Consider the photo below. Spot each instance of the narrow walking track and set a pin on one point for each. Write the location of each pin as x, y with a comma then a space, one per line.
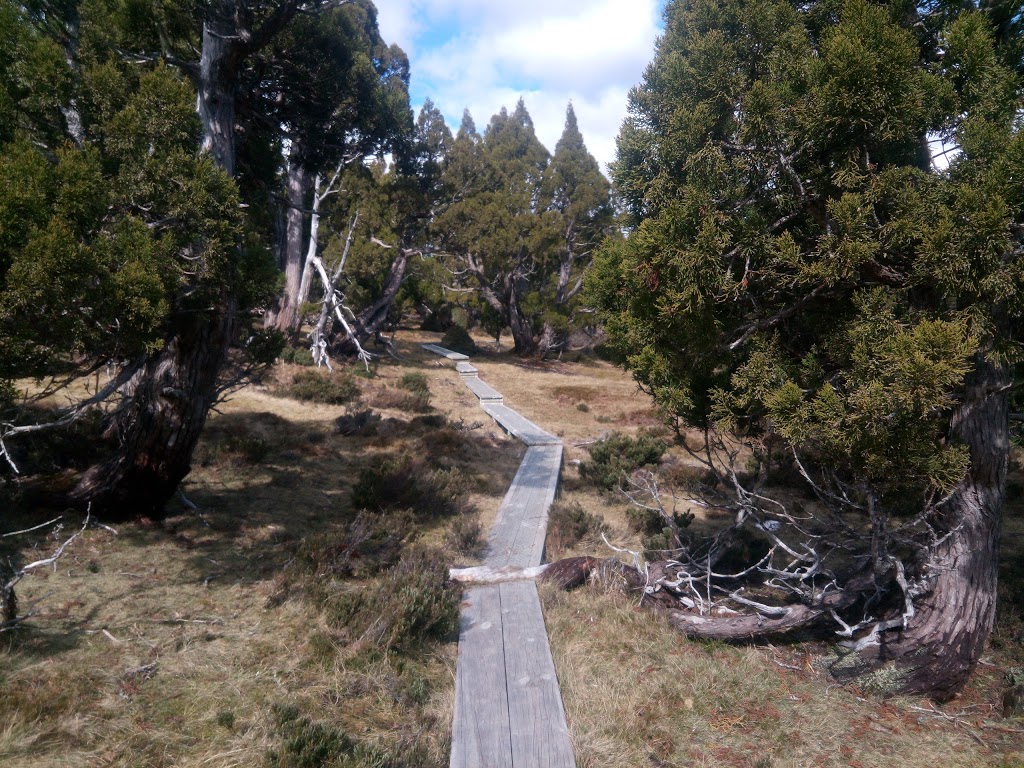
508, 709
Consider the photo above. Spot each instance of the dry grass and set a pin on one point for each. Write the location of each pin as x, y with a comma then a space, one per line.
182, 643
637, 693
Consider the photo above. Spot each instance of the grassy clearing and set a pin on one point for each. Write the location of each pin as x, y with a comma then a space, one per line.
266, 629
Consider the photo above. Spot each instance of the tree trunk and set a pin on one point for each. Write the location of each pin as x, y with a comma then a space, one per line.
944, 639
161, 426
217, 89
306, 282
371, 320
285, 315
521, 327
551, 341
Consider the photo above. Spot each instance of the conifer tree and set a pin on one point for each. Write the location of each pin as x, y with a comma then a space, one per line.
803, 278
576, 190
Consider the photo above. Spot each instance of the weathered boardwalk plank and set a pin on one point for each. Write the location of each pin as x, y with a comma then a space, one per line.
485, 393
517, 538
444, 352
518, 426
508, 709
481, 736
540, 736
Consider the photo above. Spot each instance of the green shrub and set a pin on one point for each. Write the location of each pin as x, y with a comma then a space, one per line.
320, 387
616, 456
414, 382
407, 483
465, 535
416, 600
457, 339
369, 544
296, 356
659, 534
569, 524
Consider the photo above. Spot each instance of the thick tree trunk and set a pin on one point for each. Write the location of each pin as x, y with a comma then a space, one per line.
161, 426
944, 639
521, 327
285, 315
217, 90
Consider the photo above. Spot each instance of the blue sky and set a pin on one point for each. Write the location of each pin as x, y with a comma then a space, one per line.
485, 54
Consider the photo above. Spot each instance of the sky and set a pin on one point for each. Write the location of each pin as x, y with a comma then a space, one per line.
485, 54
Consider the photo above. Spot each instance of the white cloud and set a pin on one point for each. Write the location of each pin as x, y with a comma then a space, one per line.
484, 56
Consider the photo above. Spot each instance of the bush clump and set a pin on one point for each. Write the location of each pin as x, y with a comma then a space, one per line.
369, 544
457, 339
319, 387
660, 533
569, 524
416, 600
465, 535
404, 482
617, 456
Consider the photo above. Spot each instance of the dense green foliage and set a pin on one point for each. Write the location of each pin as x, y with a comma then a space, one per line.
796, 262
101, 242
614, 457
522, 223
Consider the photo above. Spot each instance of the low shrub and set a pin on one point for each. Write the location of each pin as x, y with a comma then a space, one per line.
617, 456
414, 382
296, 356
659, 533
364, 423
371, 543
569, 524
457, 339
319, 387
407, 483
410, 395
416, 600
465, 535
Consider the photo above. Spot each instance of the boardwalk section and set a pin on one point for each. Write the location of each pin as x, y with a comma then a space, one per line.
485, 393
519, 427
444, 352
508, 709
517, 537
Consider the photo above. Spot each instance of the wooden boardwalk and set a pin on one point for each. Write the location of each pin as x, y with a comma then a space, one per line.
518, 427
517, 538
508, 709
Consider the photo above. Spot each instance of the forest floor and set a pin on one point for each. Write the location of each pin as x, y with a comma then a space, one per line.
275, 625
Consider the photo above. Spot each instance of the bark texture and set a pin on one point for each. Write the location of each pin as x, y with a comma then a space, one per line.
946, 636
285, 316
162, 424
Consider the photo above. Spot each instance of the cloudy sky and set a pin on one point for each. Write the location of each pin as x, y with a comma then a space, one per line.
485, 54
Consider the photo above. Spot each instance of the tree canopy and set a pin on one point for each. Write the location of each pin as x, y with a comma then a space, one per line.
805, 275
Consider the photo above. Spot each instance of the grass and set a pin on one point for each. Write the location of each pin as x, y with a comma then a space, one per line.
245, 634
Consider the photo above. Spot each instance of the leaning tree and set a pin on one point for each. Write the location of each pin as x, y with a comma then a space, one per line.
822, 281
127, 250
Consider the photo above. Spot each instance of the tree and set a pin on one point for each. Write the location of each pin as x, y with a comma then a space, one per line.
132, 255
803, 285
339, 94
575, 189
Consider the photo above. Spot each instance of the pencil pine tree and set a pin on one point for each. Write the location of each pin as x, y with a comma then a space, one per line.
804, 268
